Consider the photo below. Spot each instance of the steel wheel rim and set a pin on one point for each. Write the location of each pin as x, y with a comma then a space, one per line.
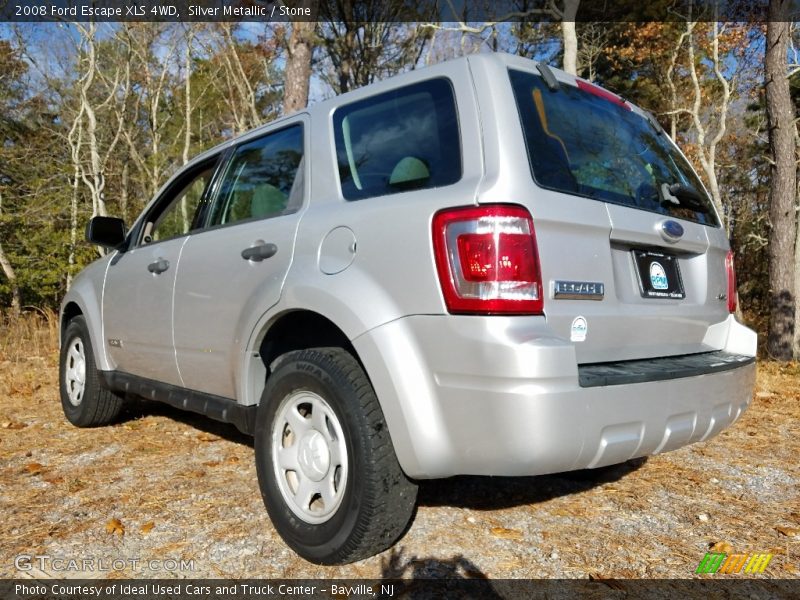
309, 456
75, 371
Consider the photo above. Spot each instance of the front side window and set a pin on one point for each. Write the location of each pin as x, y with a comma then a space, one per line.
402, 140
177, 217
586, 144
263, 178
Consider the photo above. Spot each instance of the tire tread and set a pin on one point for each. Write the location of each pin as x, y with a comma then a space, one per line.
389, 497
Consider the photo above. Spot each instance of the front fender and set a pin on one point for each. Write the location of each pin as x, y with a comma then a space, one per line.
86, 293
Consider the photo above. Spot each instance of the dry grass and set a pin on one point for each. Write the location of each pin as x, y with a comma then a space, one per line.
162, 484
33, 335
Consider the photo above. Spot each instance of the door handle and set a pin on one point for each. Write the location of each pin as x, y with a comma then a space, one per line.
260, 252
159, 266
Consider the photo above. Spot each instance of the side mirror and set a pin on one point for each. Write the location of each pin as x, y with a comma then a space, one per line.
108, 232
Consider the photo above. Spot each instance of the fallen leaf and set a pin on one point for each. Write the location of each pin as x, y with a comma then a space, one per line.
76, 485
721, 547
115, 526
54, 480
207, 437
147, 527
787, 531
506, 534
34, 468
13, 425
211, 463
232, 459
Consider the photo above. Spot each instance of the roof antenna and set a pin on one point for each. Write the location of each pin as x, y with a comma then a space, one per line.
548, 76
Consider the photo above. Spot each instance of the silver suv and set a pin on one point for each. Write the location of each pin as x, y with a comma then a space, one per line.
485, 267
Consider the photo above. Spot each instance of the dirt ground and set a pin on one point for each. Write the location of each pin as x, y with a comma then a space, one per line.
163, 487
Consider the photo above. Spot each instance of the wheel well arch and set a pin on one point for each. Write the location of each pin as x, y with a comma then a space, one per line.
71, 310
300, 330
287, 332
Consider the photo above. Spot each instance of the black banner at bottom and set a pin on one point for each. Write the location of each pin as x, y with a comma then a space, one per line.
313, 589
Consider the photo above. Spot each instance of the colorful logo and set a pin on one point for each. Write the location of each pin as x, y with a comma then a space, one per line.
720, 562
658, 276
577, 332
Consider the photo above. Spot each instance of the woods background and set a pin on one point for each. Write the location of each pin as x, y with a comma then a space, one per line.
94, 118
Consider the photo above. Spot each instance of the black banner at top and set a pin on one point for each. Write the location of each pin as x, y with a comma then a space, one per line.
468, 11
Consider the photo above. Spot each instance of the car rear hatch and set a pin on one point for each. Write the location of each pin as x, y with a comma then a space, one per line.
633, 259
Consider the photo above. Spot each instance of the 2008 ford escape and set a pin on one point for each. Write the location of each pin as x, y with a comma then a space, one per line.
484, 267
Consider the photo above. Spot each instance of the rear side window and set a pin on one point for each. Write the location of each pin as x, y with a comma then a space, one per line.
586, 144
263, 178
402, 140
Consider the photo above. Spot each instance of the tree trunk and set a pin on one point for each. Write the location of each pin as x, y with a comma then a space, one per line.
187, 118
73, 223
97, 183
123, 193
8, 270
708, 136
570, 36
298, 67
796, 343
780, 119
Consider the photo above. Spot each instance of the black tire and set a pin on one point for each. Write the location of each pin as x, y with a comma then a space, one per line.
377, 501
95, 405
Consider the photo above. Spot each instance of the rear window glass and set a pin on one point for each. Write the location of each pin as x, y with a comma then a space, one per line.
402, 140
584, 144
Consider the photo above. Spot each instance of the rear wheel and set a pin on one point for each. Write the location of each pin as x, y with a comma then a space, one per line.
326, 466
85, 401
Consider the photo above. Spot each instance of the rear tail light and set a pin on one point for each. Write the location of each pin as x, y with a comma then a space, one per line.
733, 296
487, 260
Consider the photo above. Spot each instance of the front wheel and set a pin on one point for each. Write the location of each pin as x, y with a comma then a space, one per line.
326, 466
85, 401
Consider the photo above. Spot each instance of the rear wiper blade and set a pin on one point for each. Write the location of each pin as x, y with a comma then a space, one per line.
548, 76
683, 195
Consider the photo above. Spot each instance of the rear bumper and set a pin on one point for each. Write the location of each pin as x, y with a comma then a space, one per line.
501, 396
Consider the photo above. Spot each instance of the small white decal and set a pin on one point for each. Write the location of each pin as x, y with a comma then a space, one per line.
658, 276
578, 329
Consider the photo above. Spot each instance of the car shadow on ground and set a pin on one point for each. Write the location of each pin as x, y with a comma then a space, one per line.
138, 408
478, 493
492, 493
429, 577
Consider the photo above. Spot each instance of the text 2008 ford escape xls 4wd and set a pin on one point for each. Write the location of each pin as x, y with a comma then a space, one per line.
483, 267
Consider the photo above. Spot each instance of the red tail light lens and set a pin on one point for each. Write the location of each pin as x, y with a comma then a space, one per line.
733, 295
487, 260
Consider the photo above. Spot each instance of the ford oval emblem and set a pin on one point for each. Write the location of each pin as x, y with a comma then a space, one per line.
672, 230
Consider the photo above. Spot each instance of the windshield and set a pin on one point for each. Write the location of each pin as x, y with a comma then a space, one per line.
590, 145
